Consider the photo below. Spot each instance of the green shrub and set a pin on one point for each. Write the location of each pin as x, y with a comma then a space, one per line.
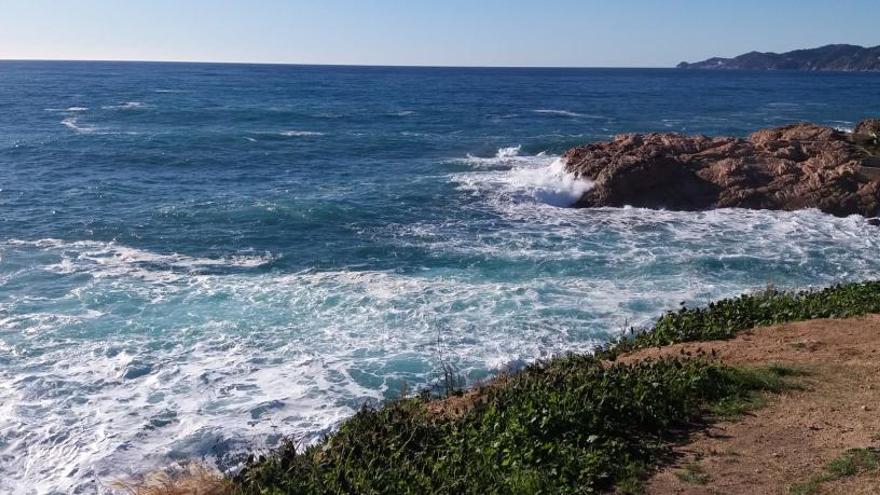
570, 425
724, 319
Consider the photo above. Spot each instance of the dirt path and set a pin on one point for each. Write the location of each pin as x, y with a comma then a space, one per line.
797, 433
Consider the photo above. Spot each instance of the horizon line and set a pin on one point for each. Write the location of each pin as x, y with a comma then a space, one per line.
307, 64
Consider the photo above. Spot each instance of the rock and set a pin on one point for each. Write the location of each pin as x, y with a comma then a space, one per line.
786, 168
870, 127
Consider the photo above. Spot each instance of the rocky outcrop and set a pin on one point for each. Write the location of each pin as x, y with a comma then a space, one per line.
867, 136
868, 128
786, 168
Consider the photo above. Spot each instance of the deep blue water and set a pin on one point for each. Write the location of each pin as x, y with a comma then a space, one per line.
195, 259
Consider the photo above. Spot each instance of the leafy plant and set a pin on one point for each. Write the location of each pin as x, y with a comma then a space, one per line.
569, 425
724, 319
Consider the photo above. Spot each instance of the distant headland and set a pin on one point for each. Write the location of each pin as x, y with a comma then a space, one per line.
825, 58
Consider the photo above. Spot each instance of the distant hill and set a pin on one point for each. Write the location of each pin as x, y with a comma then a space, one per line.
830, 57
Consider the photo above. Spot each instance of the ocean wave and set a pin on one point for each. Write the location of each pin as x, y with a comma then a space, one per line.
145, 357
566, 113
73, 124
842, 125
112, 260
240, 359
129, 105
295, 133
504, 157
538, 178
68, 109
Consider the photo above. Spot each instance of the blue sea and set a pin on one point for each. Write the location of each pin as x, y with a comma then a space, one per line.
197, 259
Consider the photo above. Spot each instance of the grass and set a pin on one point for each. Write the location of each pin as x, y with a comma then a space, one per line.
694, 474
851, 463
571, 424
774, 378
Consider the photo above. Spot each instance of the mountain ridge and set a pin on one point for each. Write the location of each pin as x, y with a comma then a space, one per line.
836, 57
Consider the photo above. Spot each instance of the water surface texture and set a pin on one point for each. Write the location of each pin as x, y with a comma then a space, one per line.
197, 259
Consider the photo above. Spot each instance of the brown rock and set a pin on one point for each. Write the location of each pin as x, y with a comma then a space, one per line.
870, 127
786, 168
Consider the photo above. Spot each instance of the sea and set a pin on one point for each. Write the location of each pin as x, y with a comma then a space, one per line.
198, 260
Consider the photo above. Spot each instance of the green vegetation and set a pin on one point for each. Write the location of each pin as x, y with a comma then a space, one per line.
773, 378
569, 425
572, 424
693, 473
851, 463
724, 319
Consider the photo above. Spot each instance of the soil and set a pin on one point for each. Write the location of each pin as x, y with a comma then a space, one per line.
795, 434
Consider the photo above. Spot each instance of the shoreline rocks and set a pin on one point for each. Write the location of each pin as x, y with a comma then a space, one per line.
786, 168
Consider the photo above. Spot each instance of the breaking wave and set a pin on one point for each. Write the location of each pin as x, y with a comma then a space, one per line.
538, 178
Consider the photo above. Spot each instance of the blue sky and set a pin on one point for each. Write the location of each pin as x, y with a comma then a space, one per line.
606, 33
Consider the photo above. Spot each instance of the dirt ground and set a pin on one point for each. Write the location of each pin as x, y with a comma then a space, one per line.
796, 433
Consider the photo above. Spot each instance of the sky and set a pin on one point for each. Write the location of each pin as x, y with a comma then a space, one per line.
548, 33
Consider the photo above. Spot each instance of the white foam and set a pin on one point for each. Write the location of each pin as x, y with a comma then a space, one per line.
504, 157
128, 105
73, 124
538, 178
68, 109
566, 113
111, 260
129, 370
551, 185
508, 152
295, 133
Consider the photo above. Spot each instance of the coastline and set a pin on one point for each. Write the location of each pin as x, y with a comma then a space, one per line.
607, 420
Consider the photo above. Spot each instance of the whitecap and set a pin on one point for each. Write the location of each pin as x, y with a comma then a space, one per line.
128, 105
566, 113
73, 124
295, 133
504, 157
68, 109
111, 260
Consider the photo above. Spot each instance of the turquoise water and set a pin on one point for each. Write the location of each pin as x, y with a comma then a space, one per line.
197, 259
